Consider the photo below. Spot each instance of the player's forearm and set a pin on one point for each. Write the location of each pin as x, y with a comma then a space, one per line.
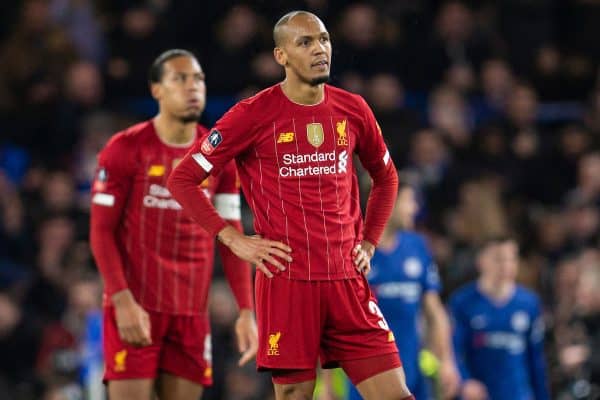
438, 327
381, 202
440, 339
238, 274
184, 185
122, 298
106, 253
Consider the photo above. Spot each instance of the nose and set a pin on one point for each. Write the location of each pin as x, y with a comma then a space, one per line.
195, 85
320, 47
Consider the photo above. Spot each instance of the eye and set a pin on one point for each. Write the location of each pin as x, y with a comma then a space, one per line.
304, 42
324, 39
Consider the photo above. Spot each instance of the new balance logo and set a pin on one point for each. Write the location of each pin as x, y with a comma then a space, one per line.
285, 137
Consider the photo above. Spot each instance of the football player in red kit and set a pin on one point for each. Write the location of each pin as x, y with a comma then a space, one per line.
293, 144
155, 261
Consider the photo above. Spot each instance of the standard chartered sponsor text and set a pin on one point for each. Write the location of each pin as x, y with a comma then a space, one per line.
159, 197
293, 164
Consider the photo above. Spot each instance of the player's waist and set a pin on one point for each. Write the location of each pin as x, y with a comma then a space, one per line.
183, 255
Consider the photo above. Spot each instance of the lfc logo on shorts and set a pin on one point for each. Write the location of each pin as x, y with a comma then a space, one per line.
120, 360
274, 344
314, 133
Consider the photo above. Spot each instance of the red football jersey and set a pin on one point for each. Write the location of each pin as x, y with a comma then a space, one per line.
297, 174
167, 259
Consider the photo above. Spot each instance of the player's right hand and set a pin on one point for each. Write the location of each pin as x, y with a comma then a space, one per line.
256, 250
133, 321
474, 390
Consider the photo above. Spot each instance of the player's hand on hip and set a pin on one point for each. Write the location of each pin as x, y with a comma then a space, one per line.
362, 254
474, 390
133, 321
256, 250
247, 336
449, 379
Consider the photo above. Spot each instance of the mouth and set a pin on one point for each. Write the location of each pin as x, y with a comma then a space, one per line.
193, 103
321, 64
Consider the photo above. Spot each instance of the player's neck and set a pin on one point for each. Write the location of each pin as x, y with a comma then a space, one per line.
498, 291
303, 93
174, 132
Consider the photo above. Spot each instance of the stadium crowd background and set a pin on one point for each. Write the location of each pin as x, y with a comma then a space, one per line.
490, 108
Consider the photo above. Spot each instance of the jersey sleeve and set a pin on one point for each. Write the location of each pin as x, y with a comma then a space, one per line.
227, 203
110, 192
460, 332
535, 354
229, 138
375, 157
431, 278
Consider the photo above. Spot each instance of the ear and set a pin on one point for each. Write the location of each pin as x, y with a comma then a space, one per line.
156, 90
280, 56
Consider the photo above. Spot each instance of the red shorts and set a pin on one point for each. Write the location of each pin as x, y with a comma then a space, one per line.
180, 346
302, 321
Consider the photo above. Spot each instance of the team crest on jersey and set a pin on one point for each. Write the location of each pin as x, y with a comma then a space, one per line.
520, 321
314, 133
413, 267
211, 142
342, 133
273, 349
478, 322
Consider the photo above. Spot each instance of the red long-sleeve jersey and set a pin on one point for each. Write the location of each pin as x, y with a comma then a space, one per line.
297, 174
143, 240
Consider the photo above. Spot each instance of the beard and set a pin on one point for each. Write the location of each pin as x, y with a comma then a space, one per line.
190, 117
319, 80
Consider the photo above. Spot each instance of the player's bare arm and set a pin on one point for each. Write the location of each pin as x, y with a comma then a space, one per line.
133, 321
440, 342
256, 250
247, 336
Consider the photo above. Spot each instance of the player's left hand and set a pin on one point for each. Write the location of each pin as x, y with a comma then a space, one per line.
362, 254
449, 379
247, 336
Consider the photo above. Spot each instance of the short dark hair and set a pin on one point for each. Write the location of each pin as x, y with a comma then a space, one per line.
494, 240
156, 69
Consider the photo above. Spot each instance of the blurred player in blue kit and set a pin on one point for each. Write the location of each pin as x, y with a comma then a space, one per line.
405, 280
498, 330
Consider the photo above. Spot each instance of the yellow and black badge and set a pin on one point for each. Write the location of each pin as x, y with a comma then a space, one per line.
314, 133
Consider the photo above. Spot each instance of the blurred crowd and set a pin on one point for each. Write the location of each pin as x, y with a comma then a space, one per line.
490, 108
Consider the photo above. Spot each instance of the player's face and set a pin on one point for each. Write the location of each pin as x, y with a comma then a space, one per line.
507, 261
182, 91
306, 51
406, 209
500, 261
